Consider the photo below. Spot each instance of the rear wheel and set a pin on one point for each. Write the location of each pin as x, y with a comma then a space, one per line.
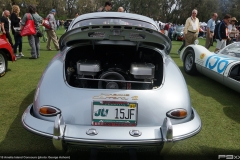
189, 62
3, 63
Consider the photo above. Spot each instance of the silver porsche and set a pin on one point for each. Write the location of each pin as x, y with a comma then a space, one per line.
112, 85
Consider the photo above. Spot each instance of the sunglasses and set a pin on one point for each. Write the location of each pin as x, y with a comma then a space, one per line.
194, 13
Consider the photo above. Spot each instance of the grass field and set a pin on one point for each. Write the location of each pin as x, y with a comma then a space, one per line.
217, 105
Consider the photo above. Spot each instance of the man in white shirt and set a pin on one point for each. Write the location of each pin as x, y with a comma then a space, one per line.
191, 28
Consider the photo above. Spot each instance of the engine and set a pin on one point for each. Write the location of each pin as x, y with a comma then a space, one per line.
93, 74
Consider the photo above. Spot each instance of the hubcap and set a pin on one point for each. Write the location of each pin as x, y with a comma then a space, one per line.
189, 62
2, 63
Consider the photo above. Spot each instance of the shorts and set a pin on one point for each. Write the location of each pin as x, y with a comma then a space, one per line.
221, 44
166, 33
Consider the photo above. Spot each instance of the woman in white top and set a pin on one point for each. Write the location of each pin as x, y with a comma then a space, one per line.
232, 30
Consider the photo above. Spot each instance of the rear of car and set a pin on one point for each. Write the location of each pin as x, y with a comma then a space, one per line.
113, 85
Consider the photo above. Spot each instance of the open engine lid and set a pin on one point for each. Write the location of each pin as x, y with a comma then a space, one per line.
120, 33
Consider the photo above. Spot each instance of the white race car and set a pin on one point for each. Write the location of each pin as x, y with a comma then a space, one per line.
223, 66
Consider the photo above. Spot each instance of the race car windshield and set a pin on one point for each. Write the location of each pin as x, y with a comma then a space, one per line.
106, 21
232, 50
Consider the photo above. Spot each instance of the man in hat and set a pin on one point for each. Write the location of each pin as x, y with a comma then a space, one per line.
51, 32
232, 30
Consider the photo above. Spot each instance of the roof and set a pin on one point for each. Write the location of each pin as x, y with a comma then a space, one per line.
115, 15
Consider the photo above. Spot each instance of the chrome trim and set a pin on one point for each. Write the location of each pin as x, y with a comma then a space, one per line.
167, 130
58, 132
177, 138
167, 134
135, 133
104, 141
92, 132
111, 80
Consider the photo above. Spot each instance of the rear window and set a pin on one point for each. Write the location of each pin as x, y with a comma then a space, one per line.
107, 21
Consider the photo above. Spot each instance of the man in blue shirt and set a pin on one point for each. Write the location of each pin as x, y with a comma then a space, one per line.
210, 30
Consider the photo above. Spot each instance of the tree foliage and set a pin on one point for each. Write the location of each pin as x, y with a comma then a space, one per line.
175, 11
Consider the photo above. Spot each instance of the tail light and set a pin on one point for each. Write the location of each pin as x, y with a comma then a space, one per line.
177, 113
49, 111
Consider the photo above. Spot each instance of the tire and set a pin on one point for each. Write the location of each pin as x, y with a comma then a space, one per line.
3, 63
189, 62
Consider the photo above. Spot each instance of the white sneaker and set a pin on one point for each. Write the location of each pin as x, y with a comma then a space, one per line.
20, 54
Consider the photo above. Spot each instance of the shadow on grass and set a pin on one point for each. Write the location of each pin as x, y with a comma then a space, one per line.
227, 97
19, 141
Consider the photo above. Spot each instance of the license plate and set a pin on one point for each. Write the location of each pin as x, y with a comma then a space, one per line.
110, 113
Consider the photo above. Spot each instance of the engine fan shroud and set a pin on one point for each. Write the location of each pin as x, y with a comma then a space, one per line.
111, 85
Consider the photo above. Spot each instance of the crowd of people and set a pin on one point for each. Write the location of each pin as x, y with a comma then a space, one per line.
224, 32
12, 22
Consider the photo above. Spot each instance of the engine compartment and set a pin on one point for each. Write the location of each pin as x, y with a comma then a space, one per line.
114, 67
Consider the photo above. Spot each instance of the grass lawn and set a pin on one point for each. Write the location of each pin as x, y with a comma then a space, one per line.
217, 105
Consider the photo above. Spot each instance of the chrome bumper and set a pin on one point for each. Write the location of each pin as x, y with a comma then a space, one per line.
62, 133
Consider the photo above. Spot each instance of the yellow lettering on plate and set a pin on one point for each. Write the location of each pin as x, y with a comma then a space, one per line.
132, 105
135, 98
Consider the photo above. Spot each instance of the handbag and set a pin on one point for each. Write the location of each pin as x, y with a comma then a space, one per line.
29, 28
46, 23
17, 31
39, 34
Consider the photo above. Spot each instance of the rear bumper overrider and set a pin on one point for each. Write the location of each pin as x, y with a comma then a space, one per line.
63, 134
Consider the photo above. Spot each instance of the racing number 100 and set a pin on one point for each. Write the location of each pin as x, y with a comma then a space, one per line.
121, 112
217, 63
